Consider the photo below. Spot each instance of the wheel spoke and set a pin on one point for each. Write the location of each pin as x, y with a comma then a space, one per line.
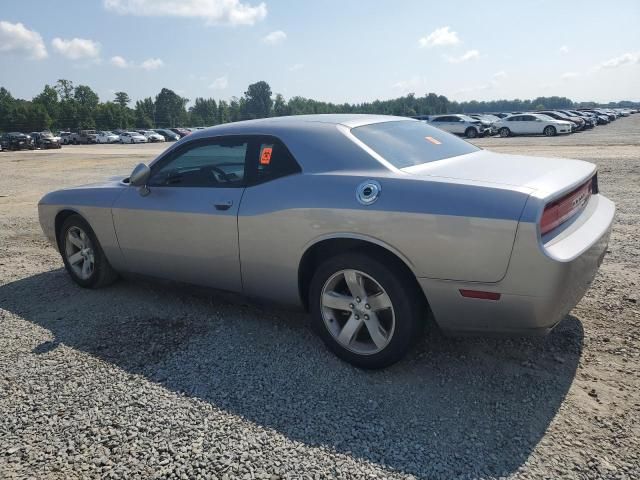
75, 258
73, 237
350, 330
377, 333
336, 301
86, 268
381, 301
354, 282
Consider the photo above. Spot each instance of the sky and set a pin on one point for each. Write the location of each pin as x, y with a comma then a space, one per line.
332, 50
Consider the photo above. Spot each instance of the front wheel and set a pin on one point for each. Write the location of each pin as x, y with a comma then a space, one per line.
471, 132
82, 254
549, 131
504, 132
366, 311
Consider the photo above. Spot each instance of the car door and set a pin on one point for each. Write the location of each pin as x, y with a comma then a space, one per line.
185, 227
529, 124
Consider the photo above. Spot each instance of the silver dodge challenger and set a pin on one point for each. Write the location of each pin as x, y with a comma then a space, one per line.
368, 222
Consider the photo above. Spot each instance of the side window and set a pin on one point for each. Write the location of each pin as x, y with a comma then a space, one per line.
274, 160
440, 119
212, 164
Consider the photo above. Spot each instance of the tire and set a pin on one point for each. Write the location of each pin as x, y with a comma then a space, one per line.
471, 132
99, 272
549, 131
400, 321
504, 132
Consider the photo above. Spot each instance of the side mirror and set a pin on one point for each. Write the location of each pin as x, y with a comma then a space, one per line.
140, 175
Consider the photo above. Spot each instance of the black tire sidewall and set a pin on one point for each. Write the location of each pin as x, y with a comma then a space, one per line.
550, 129
100, 261
471, 132
504, 129
406, 303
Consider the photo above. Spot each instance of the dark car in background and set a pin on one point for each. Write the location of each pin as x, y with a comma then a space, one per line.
577, 125
168, 135
182, 132
16, 141
45, 140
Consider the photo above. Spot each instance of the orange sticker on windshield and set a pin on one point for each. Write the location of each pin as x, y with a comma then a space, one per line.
265, 155
434, 141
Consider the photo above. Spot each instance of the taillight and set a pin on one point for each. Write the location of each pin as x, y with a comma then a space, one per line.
561, 210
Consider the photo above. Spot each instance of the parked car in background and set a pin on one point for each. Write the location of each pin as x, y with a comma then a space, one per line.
82, 137
560, 116
106, 136
486, 242
152, 137
132, 137
488, 121
64, 137
182, 132
16, 141
460, 125
45, 140
532, 124
168, 135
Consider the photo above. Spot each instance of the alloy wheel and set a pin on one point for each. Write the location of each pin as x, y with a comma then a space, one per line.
79, 252
357, 312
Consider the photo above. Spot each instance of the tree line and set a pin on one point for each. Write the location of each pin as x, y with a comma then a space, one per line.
65, 106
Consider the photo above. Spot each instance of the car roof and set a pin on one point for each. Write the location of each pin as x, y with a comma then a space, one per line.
316, 141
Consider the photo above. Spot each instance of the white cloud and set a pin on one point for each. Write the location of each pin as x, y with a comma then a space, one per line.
569, 75
274, 38
152, 64
120, 62
18, 39
296, 67
628, 58
469, 55
498, 77
439, 37
76, 48
413, 84
220, 83
564, 49
214, 12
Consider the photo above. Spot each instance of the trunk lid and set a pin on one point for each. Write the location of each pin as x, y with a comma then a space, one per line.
548, 177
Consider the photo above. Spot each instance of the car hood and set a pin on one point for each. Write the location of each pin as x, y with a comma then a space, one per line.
543, 175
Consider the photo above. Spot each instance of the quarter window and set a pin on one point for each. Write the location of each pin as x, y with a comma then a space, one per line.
274, 160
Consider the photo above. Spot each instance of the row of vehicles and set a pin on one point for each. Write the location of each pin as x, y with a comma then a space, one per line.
126, 136
31, 141
543, 122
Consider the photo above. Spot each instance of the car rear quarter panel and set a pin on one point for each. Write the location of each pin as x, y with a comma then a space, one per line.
440, 229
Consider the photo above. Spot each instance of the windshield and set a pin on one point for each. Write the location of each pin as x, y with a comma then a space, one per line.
408, 143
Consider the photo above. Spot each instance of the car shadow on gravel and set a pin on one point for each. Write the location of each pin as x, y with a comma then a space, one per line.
455, 407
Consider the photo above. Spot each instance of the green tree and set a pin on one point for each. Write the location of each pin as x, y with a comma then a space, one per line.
49, 101
170, 108
64, 89
122, 99
258, 101
145, 112
280, 107
204, 112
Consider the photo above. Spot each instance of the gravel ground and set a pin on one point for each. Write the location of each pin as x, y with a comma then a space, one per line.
145, 380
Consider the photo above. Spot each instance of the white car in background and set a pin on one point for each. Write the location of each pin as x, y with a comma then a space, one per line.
104, 136
151, 136
532, 124
132, 137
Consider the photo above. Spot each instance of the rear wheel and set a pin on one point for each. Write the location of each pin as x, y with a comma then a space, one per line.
504, 132
367, 312
82, 254
471, 132
549, 131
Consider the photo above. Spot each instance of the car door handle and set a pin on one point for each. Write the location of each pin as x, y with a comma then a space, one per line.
224, 205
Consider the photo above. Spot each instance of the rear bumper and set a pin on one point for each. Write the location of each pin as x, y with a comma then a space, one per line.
543, 281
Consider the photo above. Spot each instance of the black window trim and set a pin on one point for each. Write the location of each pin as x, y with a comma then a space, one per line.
251, 158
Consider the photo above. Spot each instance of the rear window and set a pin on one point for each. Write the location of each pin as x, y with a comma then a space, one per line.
407, 143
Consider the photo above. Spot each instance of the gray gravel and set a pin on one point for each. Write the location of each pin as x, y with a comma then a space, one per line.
147, 380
